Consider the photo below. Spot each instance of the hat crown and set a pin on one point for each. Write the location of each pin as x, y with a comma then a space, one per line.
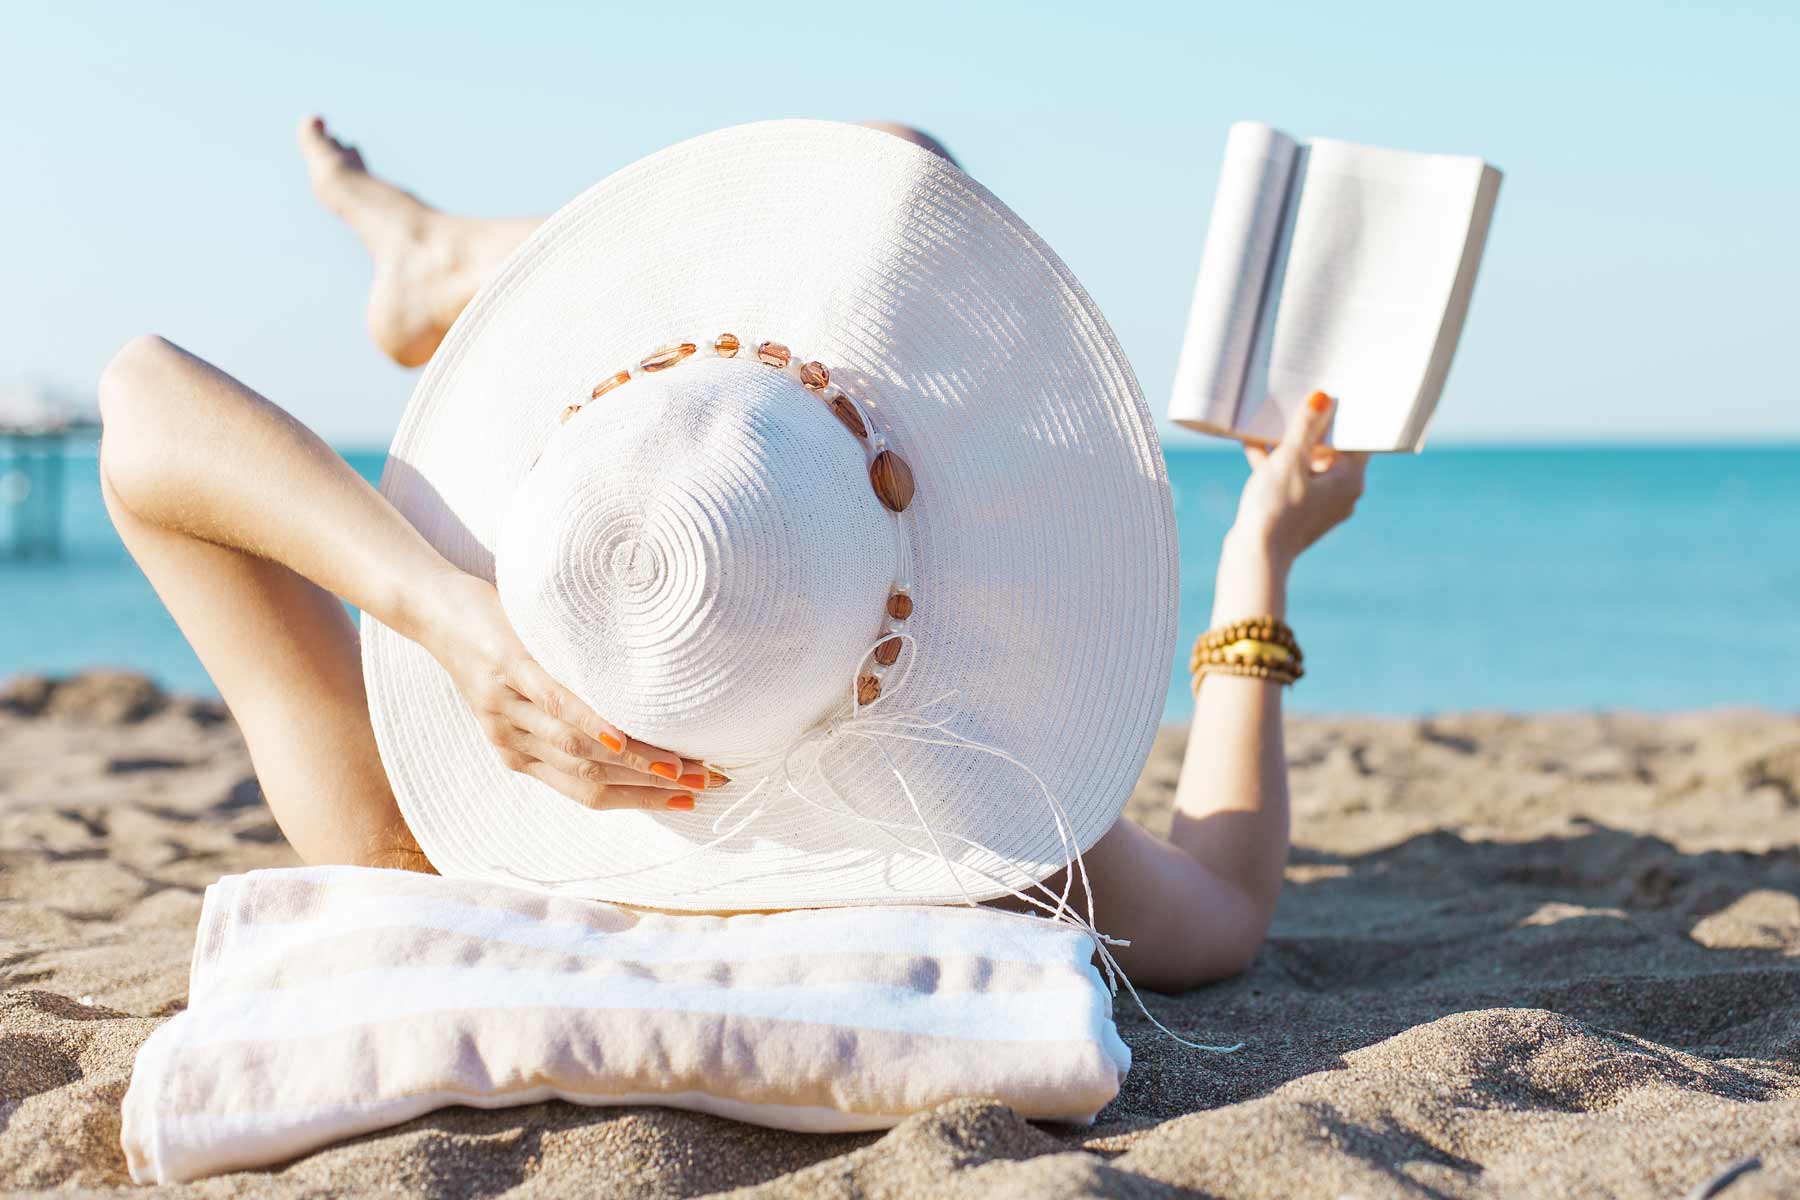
700, 557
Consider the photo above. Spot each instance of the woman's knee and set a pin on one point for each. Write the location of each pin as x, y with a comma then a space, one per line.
137, 363
132, 386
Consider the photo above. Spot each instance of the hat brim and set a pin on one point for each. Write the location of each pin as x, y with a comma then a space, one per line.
1043, 538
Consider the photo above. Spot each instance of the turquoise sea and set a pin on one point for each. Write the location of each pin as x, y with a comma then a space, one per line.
1470, 578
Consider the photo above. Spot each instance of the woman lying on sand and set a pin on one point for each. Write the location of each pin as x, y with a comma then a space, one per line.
252, 529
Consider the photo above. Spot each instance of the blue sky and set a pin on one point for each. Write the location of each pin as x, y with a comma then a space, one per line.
1640, 283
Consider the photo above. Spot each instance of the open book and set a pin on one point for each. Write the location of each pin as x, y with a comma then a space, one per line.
1331, 267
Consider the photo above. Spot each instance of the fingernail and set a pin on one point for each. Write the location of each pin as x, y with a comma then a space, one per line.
1318, 402
715, 780
682, 802
663, 769
694, 781
611, 743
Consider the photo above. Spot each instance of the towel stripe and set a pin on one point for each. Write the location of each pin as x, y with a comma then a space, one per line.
349, 952
344, 1001
293, 925
755, 1060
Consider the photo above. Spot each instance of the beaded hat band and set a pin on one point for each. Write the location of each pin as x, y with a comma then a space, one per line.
889, 474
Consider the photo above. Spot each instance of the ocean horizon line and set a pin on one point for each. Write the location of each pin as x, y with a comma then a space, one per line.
1201, 444
82, 446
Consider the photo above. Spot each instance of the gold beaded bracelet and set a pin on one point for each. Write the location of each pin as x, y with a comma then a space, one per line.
1258, 648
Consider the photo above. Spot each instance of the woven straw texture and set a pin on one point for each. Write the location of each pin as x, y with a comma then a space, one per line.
706, 536
699, 556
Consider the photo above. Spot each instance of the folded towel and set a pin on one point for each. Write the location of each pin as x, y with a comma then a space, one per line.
330, 1001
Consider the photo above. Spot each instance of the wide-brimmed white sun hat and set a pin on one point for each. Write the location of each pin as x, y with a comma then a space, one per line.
907, 574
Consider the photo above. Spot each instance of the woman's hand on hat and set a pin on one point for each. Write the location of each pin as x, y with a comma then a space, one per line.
1298, 490
540, 728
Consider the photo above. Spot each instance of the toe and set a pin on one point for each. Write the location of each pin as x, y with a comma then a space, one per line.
324, 152
312, 135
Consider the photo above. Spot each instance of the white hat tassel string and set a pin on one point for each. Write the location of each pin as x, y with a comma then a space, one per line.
913, 725
700, 848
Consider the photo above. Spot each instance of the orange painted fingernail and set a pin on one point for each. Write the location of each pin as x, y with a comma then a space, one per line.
663, 769
681, 802
693, 781
611, 743
716, 780
1318, 402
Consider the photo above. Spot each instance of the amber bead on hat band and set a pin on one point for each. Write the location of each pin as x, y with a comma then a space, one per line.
664, 357
609, 383
846, 412
893, 480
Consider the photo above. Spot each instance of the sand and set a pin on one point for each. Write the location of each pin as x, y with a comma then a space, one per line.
1540, 956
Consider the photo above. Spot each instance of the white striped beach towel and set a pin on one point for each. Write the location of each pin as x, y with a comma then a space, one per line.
326, 1002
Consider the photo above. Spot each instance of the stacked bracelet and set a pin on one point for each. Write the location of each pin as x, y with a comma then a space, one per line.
1260, 648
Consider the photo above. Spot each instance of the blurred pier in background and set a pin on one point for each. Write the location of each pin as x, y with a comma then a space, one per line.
36, 427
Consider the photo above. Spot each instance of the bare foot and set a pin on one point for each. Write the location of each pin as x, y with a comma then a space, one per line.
428, 264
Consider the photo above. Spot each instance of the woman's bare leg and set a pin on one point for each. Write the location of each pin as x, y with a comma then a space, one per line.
429, 264
282, 651
248, 525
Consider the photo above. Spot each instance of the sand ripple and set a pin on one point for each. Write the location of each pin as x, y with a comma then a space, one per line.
1536, 956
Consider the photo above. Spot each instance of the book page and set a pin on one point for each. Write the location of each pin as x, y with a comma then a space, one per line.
1234, 277
1461, 292
1367, 266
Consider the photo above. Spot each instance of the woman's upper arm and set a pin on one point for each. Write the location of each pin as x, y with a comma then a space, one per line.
1187, 926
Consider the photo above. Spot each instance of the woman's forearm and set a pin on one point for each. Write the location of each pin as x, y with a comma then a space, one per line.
1231, 804
1197, 906
240, 472
228, 467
